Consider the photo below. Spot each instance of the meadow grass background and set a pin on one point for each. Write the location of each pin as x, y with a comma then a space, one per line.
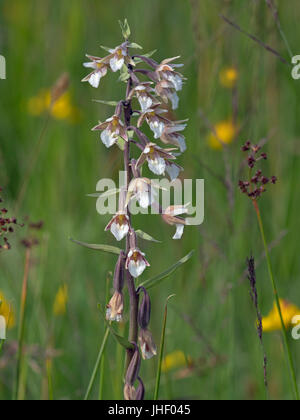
41, 39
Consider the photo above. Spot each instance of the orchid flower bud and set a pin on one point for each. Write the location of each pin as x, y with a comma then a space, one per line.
144, 309
133, 368
129, 393
115, 307
140, 392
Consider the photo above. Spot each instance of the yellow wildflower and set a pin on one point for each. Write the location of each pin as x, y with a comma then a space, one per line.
225, 134
61, 300
7, 311
62, 109
272, 321
228, 77
175, 360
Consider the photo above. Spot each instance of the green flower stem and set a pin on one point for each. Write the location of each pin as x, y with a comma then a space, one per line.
284, 331
97, 364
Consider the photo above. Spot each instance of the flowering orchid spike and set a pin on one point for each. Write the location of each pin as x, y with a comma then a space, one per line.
136, 262
112, 129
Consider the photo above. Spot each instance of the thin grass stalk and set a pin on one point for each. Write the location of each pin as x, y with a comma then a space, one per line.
161, 352
96, 368
20, 358
276, 295
102, 364
49, 379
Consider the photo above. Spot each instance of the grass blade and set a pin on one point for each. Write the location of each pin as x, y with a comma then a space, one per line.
105, 248
161, 350
97, 364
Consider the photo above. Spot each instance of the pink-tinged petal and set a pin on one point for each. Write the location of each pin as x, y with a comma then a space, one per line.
179, 232
141, 160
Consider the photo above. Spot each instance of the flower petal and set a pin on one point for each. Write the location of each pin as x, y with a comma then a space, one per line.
119, 231
179, 232
108, 138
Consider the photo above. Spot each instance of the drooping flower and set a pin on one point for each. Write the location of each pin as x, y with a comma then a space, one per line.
112, 129
136, 262
147, 344
172, 135
166, 91
61, 300
171, 216
115, 307
99, 70
166, 71
225, 132
118, 56
229, 77
155, 120
272, 321
119, 226
144, 93
140, 189
156, 158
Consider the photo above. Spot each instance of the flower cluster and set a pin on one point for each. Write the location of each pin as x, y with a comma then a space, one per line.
255, 186
7, 226
148, 101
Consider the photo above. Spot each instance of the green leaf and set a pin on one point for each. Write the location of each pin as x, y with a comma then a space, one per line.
161, 351
105, 248
121, 143
110, 103
126, 32
146, 237
160, 277
107, 193
121, 340
135, 45
106, 48
137, 60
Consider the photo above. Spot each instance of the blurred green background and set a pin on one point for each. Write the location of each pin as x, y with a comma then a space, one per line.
211, 320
